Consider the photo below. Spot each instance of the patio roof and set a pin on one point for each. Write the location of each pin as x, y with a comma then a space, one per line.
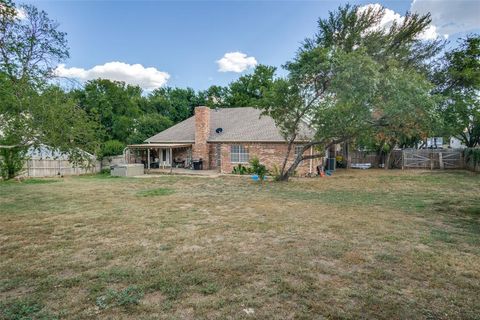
159, 145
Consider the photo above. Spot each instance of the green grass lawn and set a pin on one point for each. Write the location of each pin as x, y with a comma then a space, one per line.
360, 244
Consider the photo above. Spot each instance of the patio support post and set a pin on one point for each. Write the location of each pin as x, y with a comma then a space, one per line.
148, 159
163, 161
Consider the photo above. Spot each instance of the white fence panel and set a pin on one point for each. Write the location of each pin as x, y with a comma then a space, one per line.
51, 168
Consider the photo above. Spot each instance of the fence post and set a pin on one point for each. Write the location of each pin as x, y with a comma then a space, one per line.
440, 160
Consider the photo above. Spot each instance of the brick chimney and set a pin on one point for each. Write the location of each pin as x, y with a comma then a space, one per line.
202, 131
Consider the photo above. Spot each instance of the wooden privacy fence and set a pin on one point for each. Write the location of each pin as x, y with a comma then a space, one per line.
432, 159
50, 168
364, 157
376, 160
414, 158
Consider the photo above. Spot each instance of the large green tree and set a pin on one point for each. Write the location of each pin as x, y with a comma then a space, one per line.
149, 125
114, 104
177, 104
32, 112
246, 91
31, 45
339, 78
458, 79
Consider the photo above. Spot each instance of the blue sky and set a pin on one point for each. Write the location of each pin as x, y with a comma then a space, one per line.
181, 42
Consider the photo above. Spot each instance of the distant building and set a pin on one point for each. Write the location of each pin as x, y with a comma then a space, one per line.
456, 143
435, 142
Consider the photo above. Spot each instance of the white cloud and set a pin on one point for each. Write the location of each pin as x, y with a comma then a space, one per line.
431, 33
451, 16
235, 62
135, 74
391, 16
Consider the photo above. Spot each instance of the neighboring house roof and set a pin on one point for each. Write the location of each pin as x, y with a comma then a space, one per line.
238, 125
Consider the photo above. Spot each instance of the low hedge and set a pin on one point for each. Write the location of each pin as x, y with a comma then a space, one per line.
472, 157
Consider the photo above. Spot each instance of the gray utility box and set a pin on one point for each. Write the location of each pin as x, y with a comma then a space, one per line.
127, 170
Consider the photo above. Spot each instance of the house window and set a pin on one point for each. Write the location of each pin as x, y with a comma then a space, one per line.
238, 154
298, 150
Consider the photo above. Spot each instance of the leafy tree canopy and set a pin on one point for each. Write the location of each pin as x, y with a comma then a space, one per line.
458, 80
353, 77
33, 112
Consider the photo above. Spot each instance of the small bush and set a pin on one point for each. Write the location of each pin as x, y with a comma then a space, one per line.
258, 168
123, 298
112, 148
240, 169
11, 162
275, 172
472, 156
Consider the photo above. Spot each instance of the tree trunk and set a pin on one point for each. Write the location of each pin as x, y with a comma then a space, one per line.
378, 158
387, 159
285, 175
348, 155
285, 160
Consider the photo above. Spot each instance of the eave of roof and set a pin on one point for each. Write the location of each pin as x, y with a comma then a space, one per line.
255, 141
159, 145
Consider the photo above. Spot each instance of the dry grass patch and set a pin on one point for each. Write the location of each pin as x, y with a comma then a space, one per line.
361, 244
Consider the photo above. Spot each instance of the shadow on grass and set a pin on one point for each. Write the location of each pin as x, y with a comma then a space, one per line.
155, 192
30, 181
98, 176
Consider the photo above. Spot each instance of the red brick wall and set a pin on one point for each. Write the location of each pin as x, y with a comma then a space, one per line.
212, 155
269, 154
202, 130
180, 154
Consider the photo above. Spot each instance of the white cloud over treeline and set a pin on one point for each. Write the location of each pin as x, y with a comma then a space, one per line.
135, 74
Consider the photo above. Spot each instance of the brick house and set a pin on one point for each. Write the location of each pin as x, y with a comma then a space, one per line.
221, 139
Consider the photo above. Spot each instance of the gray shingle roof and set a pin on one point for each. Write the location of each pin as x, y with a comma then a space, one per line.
238, 124
181, 132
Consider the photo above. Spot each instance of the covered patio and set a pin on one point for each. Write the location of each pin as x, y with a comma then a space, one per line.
159, 155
